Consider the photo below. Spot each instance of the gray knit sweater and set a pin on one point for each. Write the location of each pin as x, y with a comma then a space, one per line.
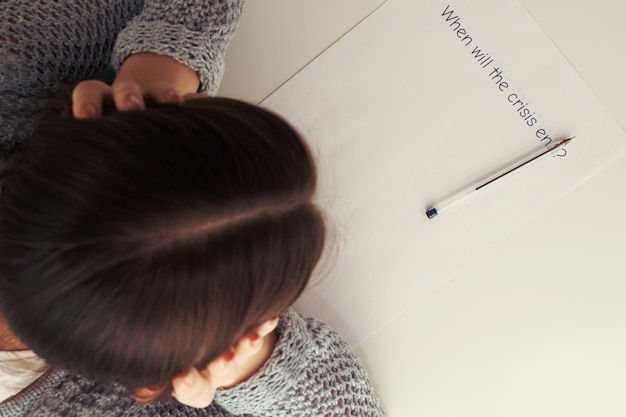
311, 373
46, 45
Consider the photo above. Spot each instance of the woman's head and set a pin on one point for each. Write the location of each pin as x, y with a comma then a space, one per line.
137, 245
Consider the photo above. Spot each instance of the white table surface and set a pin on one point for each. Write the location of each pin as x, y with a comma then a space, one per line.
537, 326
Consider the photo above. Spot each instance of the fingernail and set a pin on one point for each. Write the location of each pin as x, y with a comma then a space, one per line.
254, 337
133, 101
89, 110
172, 96
228, 356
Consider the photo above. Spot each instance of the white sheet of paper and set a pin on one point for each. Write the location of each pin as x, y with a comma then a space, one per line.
402, 112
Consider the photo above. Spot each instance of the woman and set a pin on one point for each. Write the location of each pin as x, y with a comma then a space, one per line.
159, 252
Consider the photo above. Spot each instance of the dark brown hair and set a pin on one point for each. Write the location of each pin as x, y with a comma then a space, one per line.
140, 244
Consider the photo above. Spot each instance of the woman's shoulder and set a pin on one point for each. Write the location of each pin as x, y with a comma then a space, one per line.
317, 336
323, 347
334, 379
58, 393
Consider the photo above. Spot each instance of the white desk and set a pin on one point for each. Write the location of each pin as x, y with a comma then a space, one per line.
537, 325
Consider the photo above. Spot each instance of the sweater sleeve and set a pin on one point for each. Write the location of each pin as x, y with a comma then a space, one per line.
193, 32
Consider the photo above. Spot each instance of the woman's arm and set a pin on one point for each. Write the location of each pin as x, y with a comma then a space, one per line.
172, 48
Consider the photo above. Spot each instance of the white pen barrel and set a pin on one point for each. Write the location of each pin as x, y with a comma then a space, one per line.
451, 201
515, 167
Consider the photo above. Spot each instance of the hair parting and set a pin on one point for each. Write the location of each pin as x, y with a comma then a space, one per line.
140, 244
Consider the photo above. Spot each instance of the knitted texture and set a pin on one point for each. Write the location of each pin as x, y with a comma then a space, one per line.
46, 45
311, 373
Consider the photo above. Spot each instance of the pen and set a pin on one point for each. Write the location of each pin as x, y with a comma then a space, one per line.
468, 192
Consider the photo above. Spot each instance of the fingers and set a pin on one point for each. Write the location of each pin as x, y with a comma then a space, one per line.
252, 343
127, 95
193, 389
226, 370
194, 96
222, 369
197, 388
268, 327
237, 363
163, 93
93, 98
248, 346
88, 98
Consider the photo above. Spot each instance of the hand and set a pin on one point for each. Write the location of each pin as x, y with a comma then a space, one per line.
92, 98
196, 388
143, 76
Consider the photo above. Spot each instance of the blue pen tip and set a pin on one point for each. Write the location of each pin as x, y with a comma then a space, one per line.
431, 213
